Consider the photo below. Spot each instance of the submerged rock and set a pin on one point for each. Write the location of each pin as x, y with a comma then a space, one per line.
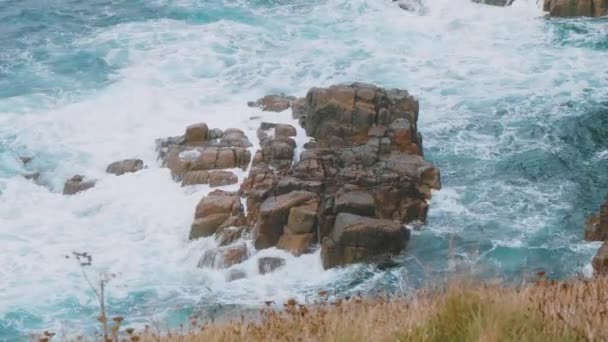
77, 184
121, 167
270, 264
576, 8
273, 103
224, 257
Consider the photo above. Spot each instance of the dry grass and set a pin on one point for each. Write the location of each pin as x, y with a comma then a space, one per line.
544, 311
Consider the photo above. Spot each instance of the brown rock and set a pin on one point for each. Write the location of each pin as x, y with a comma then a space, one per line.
195, 177
224, 257
228, 234
221, 178
121, 167
269, 264
218, 204
597, 227
196, 134
296, 244
77, 184
600, 261
273, 216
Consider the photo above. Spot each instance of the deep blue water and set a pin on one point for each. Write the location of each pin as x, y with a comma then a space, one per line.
514, 111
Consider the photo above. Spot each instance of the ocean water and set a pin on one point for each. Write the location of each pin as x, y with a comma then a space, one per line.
514, 111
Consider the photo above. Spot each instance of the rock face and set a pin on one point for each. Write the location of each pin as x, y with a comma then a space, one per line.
191, 156
576, 8
356, 238
125, 166
350, 189
77, 184
224, 257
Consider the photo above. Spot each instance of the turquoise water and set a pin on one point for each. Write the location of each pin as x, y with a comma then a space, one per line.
514, 111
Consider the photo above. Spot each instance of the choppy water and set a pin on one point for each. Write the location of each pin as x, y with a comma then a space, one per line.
514, 111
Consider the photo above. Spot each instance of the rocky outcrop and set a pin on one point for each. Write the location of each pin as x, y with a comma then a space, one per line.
350, 190
576, 8
199, 150
121, 167
77, 184
217, 210
597, 226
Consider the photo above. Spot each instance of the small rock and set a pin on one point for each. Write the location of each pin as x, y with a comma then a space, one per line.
196, 134
296, 244
273, 103
269, 264
224, 257
33, 176
25, 160
121, 167
77, 184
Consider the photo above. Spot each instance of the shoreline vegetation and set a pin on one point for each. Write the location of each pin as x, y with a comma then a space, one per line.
545, 310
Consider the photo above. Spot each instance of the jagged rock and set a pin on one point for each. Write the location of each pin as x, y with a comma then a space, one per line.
597, 227
576, 8
77, 184
121, 167
273, 103
274, 214
215, 211
297, 244
269, 264
600, 261
221, 178
359, 239
224, 257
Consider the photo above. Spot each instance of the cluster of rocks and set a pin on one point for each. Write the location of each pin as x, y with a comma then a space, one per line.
201, 155
351, 190
79, 183
597, 230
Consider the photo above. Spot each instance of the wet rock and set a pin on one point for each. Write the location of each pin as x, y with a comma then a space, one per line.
502, 3
273, 103
600, 261
221, 178
229, 234
201, 149
362, 239
77, 184
269, 264
235, 274
268, 130
195, 177
274, 214
224, 257
597, 227
25, 159
33, 176
576, 8
121, 167
297, 244
216, 210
